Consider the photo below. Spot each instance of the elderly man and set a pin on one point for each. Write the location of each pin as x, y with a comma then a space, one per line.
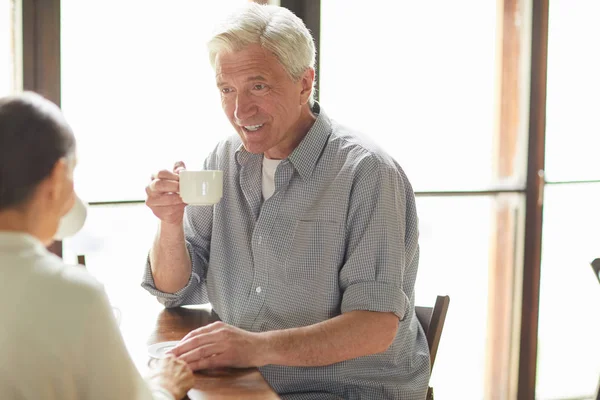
311, 256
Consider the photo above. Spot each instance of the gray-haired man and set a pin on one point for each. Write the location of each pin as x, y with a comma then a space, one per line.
310, 258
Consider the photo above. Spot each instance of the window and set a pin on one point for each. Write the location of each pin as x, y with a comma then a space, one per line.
569, 291
7, 47
426, 97
568, 326
444, 263
140, 94
573, 128
424, 83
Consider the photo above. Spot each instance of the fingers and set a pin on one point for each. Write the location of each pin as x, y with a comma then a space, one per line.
205, 329
162, 191
163, 186
216, 361
199, 353
174, 364
165, 174
171, 359
174, 375
179, 166
194, 342
171, 175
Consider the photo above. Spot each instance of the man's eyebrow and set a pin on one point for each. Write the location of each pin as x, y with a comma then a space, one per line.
250, 79
256, 78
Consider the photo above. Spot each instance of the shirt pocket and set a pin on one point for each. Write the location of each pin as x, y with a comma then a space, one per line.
315, 254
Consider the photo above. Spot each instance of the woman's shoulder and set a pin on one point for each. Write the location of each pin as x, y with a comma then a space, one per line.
67, 283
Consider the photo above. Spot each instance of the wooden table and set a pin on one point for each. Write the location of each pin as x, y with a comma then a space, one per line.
174, 324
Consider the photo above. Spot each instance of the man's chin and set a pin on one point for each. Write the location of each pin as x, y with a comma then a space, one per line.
255, 148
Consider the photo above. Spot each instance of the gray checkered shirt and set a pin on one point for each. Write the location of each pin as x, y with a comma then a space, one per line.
339, 234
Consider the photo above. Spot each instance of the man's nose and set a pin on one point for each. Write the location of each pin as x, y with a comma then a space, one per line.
244, 107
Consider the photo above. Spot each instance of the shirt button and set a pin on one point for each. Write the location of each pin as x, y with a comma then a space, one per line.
259, 239
258, 290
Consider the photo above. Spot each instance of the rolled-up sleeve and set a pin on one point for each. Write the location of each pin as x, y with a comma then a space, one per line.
373, 271
197, 225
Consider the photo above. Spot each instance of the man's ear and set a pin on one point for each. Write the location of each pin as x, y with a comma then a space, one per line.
307, 81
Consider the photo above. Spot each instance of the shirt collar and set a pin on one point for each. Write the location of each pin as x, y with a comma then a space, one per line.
305, 156
11, 241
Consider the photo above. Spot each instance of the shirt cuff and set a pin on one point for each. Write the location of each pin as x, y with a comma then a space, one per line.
375, 296
167, 299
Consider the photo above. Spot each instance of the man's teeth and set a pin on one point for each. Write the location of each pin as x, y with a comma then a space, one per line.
252, 127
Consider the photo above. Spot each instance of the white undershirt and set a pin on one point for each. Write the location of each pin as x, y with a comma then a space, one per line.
268, 177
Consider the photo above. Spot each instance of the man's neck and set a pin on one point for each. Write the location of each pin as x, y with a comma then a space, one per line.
304, 123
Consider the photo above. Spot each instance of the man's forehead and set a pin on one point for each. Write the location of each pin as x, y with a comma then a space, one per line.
250, 62
244, 73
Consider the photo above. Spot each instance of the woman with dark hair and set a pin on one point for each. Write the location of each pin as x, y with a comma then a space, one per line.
59, 338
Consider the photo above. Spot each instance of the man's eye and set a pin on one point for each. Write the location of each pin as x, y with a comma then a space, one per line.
226, 90
259, 86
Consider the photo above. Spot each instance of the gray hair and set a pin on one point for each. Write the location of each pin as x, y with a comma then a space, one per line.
276, 29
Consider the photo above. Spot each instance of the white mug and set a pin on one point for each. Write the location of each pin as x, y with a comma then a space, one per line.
201, 188
72, 221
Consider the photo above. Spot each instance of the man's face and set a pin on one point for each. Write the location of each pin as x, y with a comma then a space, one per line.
261, 100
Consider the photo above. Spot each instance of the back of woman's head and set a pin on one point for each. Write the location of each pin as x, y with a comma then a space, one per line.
33, 137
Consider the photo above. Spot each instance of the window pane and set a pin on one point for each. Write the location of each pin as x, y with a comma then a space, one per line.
455, 252
138, 89
6, 48
418, 79
573, 127
568, 346
115, 241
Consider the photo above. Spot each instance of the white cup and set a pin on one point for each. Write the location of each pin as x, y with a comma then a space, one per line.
72, 221
201, 188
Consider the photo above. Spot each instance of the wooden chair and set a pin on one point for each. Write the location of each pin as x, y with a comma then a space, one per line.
432, 320
596, 268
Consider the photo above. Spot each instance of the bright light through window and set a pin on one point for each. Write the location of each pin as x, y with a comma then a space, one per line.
572, 125
418, 78
138, 90
6, 48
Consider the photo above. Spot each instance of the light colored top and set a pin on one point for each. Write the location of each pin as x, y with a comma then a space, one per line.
339, 234
268, 177
59, 339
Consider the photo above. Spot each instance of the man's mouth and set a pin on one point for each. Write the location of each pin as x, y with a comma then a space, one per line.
252, 128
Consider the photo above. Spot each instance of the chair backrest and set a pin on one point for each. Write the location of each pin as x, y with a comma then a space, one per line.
81, 260
432, 320
596, 268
